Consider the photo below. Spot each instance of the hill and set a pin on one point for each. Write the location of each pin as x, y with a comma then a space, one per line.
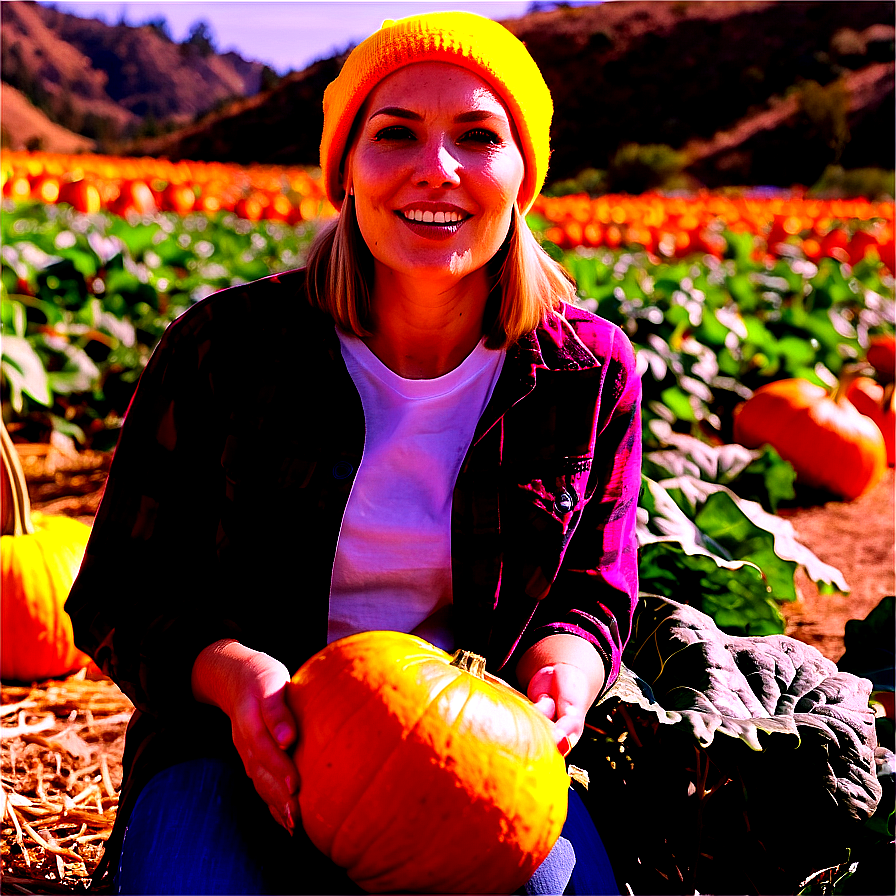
729, 82
753, 91
109, 82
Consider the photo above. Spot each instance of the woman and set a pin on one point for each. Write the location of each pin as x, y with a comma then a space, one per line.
418, 433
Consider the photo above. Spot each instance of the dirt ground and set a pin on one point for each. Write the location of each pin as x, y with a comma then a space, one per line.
858, 539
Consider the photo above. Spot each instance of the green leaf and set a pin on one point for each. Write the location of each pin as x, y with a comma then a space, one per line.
721, 523
24, 372
759, 474
754, 690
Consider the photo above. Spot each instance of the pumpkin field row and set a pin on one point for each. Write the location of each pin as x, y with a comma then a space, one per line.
144, 186
665, 226
675, 227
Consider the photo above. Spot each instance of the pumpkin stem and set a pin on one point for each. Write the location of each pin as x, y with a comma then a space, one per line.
469, 662
16, 503
849, 373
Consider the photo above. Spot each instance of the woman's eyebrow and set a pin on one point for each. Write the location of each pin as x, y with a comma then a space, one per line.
397, 112
463, 117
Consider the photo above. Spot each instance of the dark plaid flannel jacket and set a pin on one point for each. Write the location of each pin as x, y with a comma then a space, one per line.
227, 489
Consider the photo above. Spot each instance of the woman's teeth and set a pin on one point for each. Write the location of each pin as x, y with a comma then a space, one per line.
433, 217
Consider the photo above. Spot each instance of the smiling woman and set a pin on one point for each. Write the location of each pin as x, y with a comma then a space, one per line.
434, 441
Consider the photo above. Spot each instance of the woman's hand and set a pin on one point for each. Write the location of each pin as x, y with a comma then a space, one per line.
562, 675
249, 687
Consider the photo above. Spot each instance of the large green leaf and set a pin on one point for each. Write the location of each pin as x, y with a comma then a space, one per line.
732, 764
750, 687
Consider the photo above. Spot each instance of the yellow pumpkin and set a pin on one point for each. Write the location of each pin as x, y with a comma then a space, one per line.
41, 555
422, 773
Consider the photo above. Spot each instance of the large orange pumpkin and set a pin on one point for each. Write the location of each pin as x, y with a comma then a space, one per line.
828, 442
421, 773
40, 557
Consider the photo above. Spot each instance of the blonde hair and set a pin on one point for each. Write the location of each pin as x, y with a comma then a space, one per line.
527, 282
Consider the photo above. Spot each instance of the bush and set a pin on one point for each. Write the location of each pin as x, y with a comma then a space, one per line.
875, 184
636, 169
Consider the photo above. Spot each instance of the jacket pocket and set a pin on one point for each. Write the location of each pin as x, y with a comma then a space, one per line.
561, 489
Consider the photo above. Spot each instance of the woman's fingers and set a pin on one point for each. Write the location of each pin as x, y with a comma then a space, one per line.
278, 719
560, 691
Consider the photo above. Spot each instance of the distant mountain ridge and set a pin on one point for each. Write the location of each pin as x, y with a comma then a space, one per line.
754, 91
107, 82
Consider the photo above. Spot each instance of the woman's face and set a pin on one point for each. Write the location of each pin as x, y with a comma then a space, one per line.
435, 171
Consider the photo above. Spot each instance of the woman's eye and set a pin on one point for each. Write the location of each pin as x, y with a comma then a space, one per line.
482, 135
394, 132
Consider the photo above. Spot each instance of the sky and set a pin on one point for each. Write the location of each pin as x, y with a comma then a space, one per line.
288, 34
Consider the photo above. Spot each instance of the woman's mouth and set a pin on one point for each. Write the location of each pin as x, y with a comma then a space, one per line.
425, 216
433, 225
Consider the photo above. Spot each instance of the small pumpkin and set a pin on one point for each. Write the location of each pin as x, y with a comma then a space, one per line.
879, 403
422, 773
881, 355
39, 557
829, 443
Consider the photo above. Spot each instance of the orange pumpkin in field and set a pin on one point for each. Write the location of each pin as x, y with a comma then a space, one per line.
879, 403
178, 198
135, 198
421, 773
829, 443
881, 355
82, 195
39, 558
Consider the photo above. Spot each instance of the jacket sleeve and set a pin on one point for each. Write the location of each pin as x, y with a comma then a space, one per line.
144, 602
595, 590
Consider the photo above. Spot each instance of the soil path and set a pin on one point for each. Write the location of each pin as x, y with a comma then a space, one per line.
858, 539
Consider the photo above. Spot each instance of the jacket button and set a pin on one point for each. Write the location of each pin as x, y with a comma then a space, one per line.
564, 503
342, 469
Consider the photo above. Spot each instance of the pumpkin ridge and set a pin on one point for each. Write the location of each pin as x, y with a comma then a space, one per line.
355, 812
382, 881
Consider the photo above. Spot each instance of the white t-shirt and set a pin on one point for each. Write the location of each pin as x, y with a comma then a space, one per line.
393, 559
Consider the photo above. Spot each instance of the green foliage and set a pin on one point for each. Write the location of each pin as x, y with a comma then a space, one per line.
636, 169
876, 184
591, 181
733, 765
708, 332
85, 299
826, 109
701, 543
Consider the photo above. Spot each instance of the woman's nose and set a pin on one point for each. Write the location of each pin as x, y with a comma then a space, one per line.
437, 165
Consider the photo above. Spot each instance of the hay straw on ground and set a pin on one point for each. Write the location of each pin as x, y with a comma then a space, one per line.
60, 767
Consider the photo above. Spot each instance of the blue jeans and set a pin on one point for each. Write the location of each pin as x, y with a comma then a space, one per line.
200, 828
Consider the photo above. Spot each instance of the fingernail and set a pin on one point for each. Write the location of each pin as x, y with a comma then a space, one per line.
566, 744
283, 735
290, 824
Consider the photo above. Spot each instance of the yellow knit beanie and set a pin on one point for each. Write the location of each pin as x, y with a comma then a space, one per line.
476, 43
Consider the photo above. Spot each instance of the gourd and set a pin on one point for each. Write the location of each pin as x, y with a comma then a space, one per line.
881, 355
878, 402
422, 773
829, 443
39, 557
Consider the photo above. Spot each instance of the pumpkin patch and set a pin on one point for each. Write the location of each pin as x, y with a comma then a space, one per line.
421, 773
